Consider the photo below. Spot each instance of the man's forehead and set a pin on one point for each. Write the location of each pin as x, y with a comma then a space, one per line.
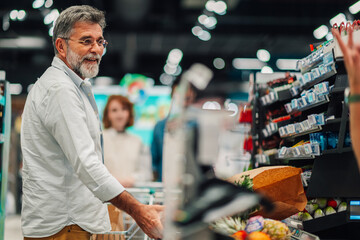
87, 28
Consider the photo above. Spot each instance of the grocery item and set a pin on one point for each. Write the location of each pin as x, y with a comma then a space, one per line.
254, 224
321, 202
342, 207
306, 216
258, 236
329, 210
240, 235
228, 225
318, 213
333, 203
276, 230
311, 207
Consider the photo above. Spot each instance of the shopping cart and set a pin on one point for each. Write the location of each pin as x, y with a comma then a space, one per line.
123, 226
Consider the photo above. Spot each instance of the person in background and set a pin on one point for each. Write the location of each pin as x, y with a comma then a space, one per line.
351, 52
125, 155
65, 183
159, 130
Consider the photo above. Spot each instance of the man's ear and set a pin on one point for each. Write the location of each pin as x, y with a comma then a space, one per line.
60, 46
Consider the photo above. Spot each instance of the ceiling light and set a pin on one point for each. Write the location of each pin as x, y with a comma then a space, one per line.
204, 35
211, 23
169, 69
338, 19
219, 63
30, 87
48, 3
175, 56
38, 4
247, 63
21, 15
2, 75
286, 64
196, 30
23, 42
15, 88
210, 5
321, 32
51, 32
355, 8
220, 7
267, 69
232, 107
263, 55
51, 17
104, 81
178, 71
203, 19
13, 15
329, 36
166, 79
211, 105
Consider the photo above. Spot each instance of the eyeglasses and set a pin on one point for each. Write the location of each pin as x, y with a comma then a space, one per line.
90, 42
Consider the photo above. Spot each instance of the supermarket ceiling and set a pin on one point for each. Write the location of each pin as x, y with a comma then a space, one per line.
143, 32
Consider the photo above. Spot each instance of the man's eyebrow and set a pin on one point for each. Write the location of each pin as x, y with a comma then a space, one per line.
87, 37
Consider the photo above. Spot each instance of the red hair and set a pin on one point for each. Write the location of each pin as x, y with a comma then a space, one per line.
123, 101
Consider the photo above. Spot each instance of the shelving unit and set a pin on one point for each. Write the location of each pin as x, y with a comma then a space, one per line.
335, 172
5, 124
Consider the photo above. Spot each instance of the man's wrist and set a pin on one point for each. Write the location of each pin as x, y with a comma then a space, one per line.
126, 202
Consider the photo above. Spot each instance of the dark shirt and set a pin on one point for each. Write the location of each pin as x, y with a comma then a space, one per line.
157, 148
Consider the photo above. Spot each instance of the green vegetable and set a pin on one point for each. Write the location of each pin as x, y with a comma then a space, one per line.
246, 182
342, 207
311, 207
318, 213
322, 202
329, 210
306, 216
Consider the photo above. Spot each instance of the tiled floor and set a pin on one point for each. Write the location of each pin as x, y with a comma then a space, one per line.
13, 228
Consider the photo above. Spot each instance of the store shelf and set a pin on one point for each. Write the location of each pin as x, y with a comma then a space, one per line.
302, 134
319, 80
338, 89
333, 121
297, 158
309, 67
325, 222
314, 105
337, 151
282, 96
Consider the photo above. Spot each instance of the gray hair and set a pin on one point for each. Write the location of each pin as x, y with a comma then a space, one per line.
65, 22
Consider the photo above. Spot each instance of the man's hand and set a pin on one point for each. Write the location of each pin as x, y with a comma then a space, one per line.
147, 217
351, 52
149, 220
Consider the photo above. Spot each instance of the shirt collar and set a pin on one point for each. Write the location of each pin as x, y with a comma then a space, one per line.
59, 64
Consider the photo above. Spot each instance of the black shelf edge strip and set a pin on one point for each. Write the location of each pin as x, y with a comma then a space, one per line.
325, 222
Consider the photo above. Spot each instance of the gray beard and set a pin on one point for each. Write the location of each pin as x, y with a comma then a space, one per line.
84, 70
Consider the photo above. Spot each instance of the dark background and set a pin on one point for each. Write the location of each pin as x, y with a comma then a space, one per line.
142, 32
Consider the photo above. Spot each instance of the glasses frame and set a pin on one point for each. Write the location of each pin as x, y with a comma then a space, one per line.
91, 42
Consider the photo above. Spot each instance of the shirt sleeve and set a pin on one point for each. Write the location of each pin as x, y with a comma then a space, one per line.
65, 119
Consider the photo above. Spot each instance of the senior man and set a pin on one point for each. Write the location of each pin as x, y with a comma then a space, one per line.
65, 183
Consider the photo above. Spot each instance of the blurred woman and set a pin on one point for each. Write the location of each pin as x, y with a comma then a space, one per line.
125, 155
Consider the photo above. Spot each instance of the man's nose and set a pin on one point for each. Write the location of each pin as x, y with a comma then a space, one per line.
95, 48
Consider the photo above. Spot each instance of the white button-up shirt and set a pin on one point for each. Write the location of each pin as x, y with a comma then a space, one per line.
64, 179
